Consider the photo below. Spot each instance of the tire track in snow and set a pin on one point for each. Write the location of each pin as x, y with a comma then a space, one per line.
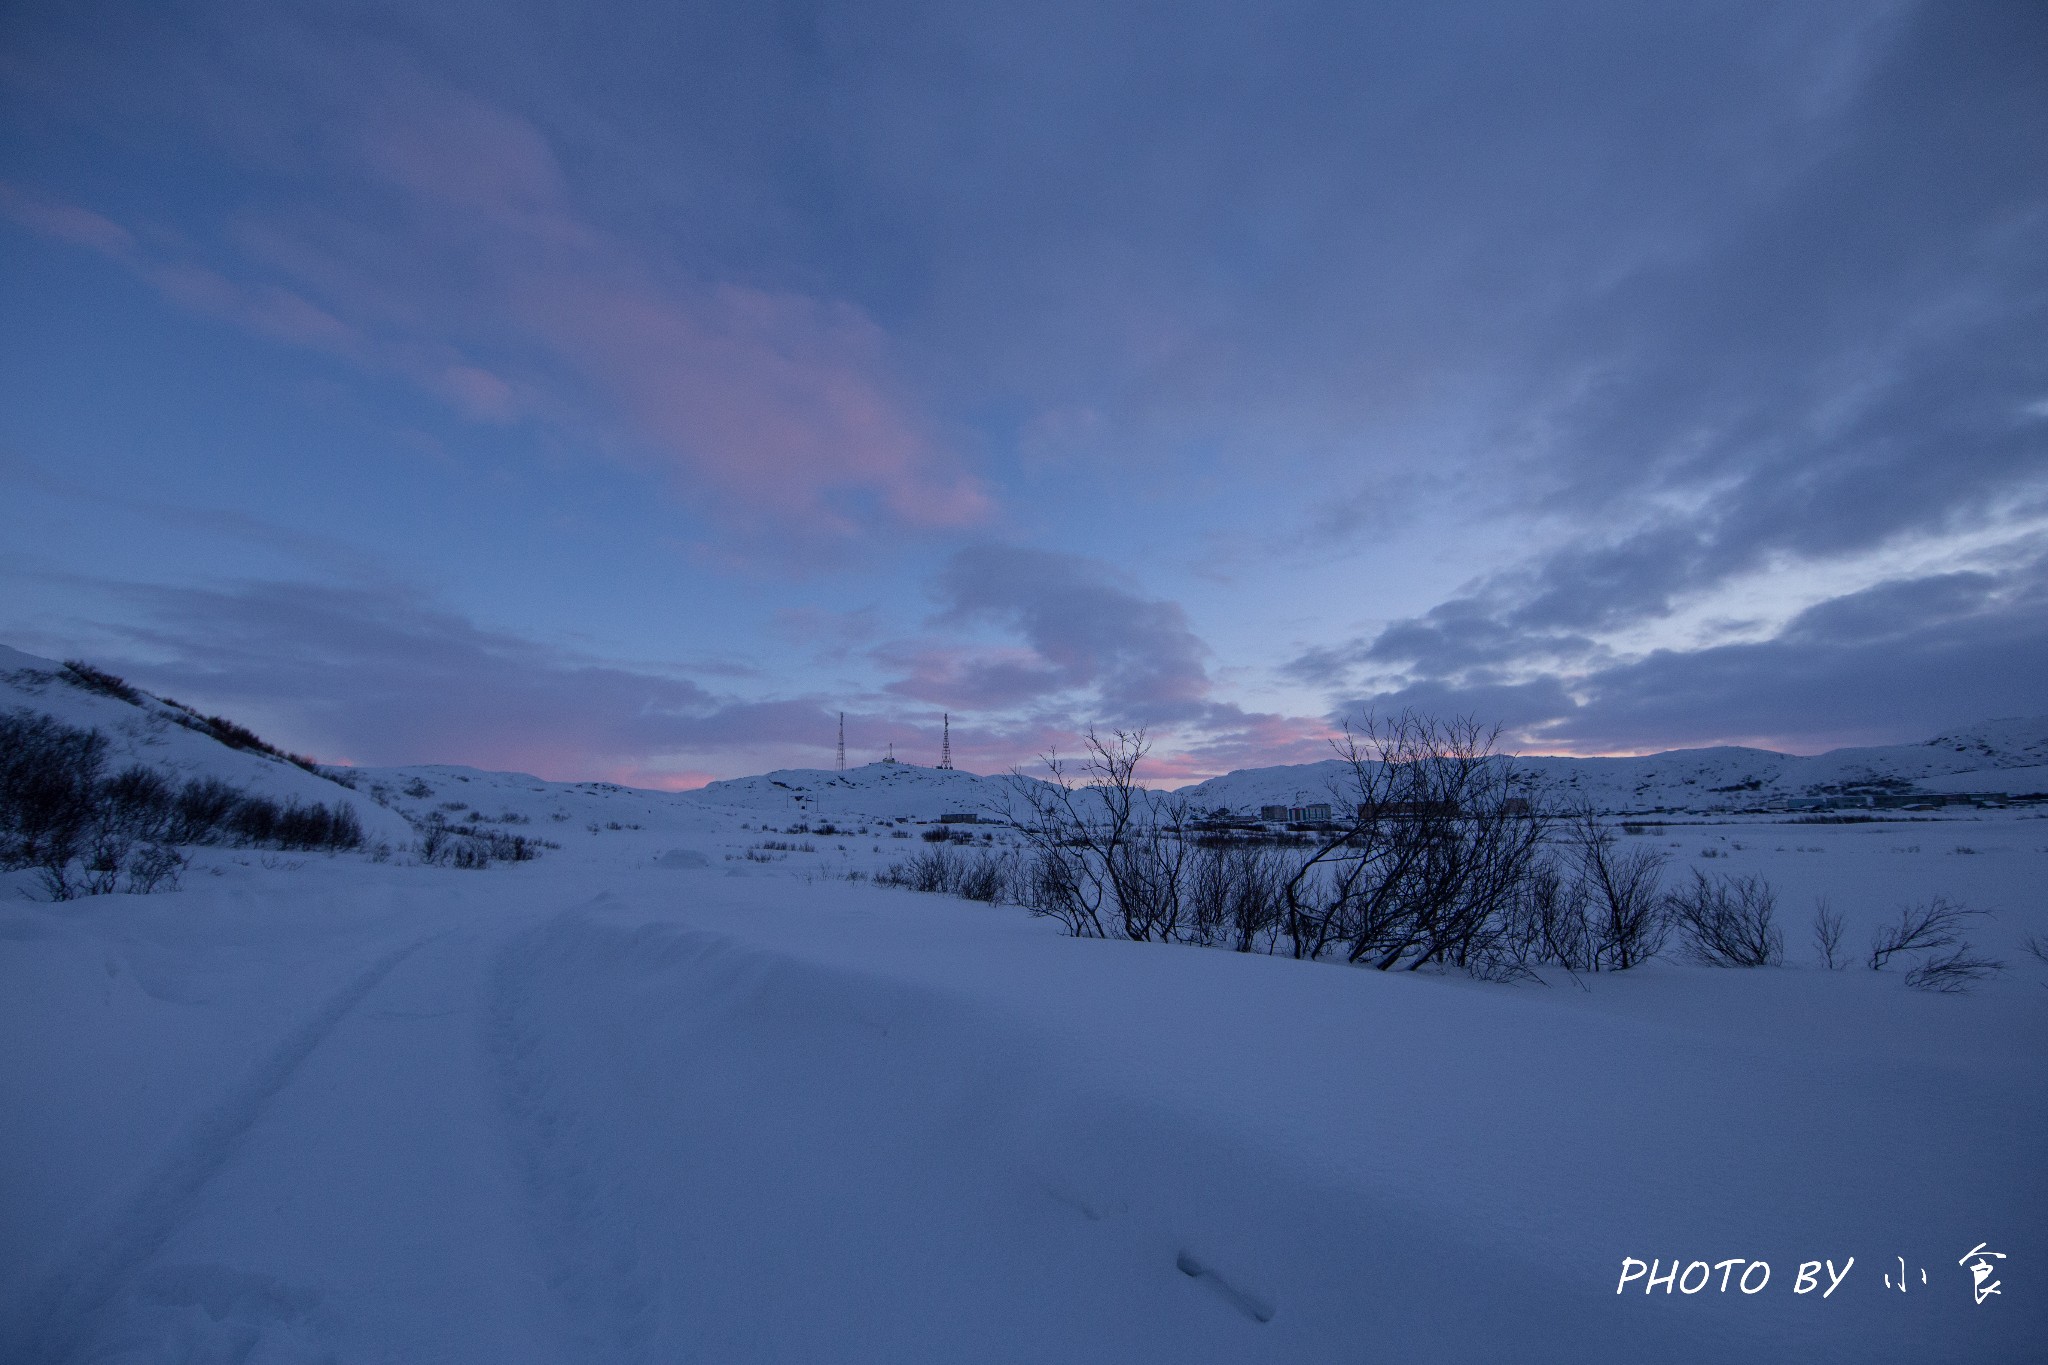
59, 1317
598, 1275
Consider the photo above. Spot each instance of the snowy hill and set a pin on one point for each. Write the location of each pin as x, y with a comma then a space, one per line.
142, 728
876, 791
2009, 756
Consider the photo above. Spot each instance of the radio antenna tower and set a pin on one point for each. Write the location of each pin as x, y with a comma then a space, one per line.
946, 744
842, 741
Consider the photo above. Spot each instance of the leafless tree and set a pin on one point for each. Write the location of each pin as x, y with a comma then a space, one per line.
1234, 895
1109, 858
1438, 839
1727, 921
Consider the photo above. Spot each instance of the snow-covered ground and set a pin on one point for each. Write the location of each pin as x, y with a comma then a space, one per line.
666, 1094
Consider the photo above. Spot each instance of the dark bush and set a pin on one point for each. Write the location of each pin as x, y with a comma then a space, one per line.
85, 831
981, 876
465, 846
237, 736
49, 786
202, 809
83, 674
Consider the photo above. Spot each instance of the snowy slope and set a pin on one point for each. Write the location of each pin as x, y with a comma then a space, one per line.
149, 733
539, 1115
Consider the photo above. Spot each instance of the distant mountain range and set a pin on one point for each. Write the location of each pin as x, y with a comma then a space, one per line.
1992, 759
1995, 757
1998, 758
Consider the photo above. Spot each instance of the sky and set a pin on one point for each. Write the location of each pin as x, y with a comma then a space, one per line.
623, 392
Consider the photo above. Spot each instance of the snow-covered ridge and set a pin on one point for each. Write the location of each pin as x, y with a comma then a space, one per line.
1997, 757
157, 734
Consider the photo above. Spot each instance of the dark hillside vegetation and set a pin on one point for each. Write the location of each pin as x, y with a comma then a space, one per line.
89, 833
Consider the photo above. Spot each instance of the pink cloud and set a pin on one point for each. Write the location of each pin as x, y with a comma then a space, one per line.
445, 147
777, 403
65, 222
480, 394
464, 264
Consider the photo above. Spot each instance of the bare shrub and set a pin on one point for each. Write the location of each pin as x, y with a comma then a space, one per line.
1549, 923
1933, 927
980, 876
82, 674
1953, 972
1827, 935
49, 784
1726, 921
441, 844
156, 867
140, 801
984, 876
1624, 890
1108, 857
2037, 946
1439, 841
1932, 933
202, 809
924, 872
1235, 897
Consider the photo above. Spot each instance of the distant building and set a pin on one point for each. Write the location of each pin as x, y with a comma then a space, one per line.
1853, 802
1414, 810
1312, 811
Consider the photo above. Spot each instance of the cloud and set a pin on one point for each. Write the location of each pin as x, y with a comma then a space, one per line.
438, 238
381, 675
1551, 325
1087, 651
1889, 663
65, 222
1081, 629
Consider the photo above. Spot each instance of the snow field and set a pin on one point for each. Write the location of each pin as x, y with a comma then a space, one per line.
363, 1112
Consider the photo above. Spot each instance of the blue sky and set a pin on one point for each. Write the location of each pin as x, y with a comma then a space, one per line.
625, 393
